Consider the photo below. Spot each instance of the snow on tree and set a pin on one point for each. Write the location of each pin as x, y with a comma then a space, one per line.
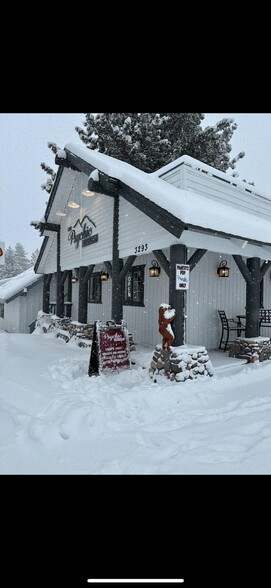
8, 270
48, 170
16, 262
34, 257
150, 140
22, 263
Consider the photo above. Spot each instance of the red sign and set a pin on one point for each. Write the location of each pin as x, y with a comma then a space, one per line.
1, 252
113, 345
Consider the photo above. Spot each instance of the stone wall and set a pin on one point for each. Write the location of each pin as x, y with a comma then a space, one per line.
251, 349
186, 362
66, 329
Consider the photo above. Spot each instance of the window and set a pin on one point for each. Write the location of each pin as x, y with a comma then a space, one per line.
1, 310
95, 289
134, 286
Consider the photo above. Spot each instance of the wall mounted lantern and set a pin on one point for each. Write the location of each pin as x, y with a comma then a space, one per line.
74, 276
223, 271
155, 269
104, 275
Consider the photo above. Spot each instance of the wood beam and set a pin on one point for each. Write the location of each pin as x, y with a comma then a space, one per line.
128, 264
243, 268
159, 215
161, 258
88, 273
195, 258
108, 266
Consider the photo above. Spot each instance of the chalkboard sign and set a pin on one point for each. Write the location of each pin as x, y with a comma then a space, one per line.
110, 349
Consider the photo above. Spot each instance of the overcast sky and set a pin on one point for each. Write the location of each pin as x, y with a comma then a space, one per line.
23, 146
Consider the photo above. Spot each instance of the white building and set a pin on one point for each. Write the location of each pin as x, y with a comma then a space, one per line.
185, 213
21, 298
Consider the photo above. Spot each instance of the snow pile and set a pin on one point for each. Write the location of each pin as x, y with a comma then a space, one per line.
54, 418
64, 328
12, 286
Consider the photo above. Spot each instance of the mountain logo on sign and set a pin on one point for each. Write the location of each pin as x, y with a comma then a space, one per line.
75, 235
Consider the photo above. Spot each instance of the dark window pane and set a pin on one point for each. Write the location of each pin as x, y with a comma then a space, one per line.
134, 286
95, 289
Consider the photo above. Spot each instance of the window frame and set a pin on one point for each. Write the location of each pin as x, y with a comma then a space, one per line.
131, 301
2, 310
94, 275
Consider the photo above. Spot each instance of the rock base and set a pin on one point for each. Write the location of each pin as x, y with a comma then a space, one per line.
186, 362
251, 349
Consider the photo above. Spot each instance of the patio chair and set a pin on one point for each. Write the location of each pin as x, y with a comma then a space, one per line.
227, 327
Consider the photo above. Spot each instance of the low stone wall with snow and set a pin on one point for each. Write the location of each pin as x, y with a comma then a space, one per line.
251, 349
186, 362
66, 329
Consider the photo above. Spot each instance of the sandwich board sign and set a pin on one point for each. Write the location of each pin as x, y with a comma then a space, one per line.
2, 253
110, 350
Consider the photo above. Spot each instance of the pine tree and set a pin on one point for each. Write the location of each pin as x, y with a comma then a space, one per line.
34, 257
21, 262
48, 170
16, 261
8, 270
150, 140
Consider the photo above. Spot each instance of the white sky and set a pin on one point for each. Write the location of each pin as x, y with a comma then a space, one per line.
23, 146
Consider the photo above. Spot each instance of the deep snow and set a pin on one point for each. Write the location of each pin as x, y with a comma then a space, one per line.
54, 418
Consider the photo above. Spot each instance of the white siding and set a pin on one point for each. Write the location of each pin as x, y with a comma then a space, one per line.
142, 322
29, 306
101, 312
99, 209
238, 196
266, 331
12, 315
136, 230
75, 298
207, 294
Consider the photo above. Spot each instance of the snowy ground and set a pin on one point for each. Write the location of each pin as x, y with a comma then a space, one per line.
55, 419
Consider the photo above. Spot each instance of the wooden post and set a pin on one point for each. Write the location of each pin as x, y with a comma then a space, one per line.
117, 264
83, 296
59, 282
46, 292
253, 274
177, 298
253, 298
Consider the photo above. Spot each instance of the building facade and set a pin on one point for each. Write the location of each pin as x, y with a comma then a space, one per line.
106, 217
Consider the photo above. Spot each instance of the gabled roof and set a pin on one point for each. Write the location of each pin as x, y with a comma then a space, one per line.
13, 287
186, 207
173, 208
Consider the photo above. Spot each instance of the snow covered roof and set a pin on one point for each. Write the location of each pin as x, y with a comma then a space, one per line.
189, 207
12, 287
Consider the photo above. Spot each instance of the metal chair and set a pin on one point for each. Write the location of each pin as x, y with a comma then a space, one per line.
226, 328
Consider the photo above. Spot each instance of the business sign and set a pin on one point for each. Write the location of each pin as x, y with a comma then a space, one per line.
110, 349
182, 277
82, 231
2, 253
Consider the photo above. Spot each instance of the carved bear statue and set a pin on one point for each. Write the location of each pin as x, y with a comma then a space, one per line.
166, 316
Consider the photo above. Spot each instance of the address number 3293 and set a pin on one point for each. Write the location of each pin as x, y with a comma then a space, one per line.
141, 248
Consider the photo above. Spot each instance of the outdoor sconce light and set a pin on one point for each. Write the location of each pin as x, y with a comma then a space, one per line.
104, 276
24, 292
155, 269
74, 277
60, 213
223, 271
